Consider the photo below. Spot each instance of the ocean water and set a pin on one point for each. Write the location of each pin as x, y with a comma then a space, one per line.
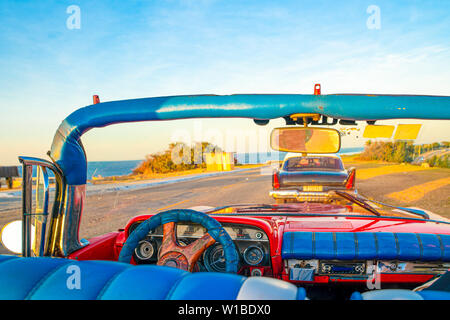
102, 168
111, 168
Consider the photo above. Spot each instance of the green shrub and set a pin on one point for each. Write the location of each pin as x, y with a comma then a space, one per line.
403, 151
178, 157
441, 162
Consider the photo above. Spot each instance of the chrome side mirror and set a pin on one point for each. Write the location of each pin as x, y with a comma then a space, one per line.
11, 236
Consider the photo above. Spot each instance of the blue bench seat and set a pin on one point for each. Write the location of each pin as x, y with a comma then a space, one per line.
366, 246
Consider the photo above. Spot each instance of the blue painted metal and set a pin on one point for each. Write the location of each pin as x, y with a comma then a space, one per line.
365, 245
68, 153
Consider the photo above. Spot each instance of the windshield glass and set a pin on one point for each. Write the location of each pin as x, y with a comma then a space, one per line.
150, 167
213, 163
312, 163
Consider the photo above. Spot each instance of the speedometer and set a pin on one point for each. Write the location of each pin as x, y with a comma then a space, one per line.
214, 258
253, 255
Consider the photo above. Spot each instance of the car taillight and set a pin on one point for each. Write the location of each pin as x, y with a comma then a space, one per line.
275, 181
350, 184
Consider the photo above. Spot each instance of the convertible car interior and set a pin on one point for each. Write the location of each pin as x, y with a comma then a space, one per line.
47, 279
325, 265
356, 248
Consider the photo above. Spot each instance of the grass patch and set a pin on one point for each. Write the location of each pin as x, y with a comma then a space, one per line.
368, 173
419, 191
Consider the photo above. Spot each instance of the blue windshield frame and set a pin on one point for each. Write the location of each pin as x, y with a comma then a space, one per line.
68, 153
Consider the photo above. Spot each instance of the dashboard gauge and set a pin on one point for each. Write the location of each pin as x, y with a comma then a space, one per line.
214, 259
253, 255
256, 273
145, 250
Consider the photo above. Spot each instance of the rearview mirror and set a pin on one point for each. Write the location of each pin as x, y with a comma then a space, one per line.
305, 140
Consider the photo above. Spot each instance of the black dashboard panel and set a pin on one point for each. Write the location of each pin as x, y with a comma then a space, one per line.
251, 243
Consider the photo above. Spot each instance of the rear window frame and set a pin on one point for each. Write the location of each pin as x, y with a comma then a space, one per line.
337, 160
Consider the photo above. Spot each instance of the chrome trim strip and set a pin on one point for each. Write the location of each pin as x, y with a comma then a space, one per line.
72, 211
27, 191
289, 194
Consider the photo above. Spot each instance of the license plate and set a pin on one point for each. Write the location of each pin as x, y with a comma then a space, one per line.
312, 188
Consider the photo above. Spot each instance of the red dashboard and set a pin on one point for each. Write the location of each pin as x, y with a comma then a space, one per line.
322, 271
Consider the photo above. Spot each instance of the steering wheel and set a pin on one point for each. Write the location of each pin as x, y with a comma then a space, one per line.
173, 255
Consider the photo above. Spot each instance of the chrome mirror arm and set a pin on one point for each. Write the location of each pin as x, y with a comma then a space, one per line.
48, 243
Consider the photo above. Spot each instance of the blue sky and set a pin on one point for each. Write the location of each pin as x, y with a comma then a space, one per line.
132, 49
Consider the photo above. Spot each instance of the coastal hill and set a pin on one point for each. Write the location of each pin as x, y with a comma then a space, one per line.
434, 154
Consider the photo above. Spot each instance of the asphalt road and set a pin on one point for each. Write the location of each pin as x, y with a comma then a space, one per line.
430, 154
111, 211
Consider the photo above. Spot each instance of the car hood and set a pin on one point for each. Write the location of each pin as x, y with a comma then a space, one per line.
320, 217
369, 224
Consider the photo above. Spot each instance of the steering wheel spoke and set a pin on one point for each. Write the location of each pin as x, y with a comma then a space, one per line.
195, 249
183, 257
169, 242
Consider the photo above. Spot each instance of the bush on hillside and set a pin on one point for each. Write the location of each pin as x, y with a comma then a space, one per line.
178, 157
403, 151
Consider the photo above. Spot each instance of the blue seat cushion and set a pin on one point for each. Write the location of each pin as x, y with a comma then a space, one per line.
434, 295
401, 294
149, 283
93, 277
18, 278
365, 246
63, 279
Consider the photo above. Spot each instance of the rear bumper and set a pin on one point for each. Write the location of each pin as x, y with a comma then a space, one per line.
300, 195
